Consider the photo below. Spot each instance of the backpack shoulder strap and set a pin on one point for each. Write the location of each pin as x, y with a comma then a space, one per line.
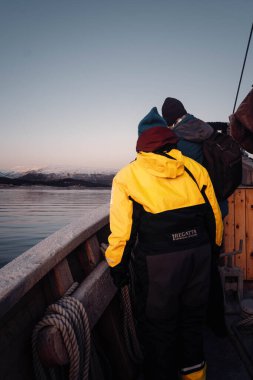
191, 175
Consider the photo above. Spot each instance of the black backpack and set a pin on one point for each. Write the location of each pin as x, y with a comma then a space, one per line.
223, 161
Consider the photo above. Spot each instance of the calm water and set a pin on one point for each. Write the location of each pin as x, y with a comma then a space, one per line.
28, 215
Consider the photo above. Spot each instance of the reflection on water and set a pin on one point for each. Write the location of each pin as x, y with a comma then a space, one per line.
28, 215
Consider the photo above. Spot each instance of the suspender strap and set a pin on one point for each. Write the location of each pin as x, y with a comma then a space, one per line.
191, 175
211, 221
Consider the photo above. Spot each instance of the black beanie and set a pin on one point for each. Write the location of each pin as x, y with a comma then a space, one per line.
172, 110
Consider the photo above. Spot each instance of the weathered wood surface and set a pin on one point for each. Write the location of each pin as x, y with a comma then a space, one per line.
15, 336
60, 279
238, 225
92, 251
249, 233
95, 293
240, 260
20, 275
90, 255
42, 283
229, 226
51, 348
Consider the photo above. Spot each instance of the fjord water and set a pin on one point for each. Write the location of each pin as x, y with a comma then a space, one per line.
28, 215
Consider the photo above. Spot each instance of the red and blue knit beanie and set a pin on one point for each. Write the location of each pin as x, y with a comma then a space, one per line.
152, 119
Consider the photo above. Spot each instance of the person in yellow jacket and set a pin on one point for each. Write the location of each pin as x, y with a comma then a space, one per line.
165, 219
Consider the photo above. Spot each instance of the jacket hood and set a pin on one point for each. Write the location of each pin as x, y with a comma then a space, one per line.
193, 129
160, 166
155, 138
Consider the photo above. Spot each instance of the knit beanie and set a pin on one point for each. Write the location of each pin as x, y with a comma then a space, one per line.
172, 110
152, 119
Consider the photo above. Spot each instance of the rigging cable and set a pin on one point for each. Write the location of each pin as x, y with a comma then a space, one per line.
132, 342
243, 68
129, 328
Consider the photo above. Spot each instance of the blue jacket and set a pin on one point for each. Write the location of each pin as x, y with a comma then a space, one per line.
192, 132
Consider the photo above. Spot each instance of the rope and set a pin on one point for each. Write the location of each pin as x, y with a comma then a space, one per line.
69, 317
132, 343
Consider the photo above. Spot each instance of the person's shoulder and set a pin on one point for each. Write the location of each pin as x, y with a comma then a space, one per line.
203, 125
124, 171
194, 166
193, 129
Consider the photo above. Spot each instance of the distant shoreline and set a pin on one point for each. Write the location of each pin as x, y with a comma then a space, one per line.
58, 180
43, 187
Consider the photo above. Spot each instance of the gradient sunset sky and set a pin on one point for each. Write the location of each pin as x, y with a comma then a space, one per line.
76, 77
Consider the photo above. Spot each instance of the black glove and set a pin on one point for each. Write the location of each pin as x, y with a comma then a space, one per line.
216, 250
120, 275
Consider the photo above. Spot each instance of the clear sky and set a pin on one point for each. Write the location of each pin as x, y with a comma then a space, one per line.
76, 77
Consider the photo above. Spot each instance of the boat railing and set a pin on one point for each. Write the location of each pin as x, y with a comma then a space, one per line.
24, 272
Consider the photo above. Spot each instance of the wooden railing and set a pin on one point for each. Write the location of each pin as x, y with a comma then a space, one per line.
23, 273
40, 277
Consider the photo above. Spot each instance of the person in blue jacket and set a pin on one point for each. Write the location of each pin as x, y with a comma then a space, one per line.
191, 132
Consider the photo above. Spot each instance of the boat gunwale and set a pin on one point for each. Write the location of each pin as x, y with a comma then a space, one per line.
22, 273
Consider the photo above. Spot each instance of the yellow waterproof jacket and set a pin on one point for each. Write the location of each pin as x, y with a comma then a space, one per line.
157, 198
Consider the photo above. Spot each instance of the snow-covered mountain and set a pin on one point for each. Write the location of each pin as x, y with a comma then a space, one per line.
56, 172
59, 176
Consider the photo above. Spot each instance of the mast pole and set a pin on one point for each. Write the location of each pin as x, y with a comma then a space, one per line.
243, 68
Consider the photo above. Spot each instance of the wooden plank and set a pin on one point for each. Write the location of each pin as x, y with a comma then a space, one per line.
240, 259
249, 234
90, 255
93, 251
95, 293
15, 336
51, 347
60, 279
21, 319
229, 226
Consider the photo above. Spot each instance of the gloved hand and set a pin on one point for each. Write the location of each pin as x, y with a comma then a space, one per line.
216, 250
120, 276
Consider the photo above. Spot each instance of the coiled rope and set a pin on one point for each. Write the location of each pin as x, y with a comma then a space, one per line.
69, 317
132, 342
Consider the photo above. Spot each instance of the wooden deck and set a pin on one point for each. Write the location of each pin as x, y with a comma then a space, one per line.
225, 359
232, 358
